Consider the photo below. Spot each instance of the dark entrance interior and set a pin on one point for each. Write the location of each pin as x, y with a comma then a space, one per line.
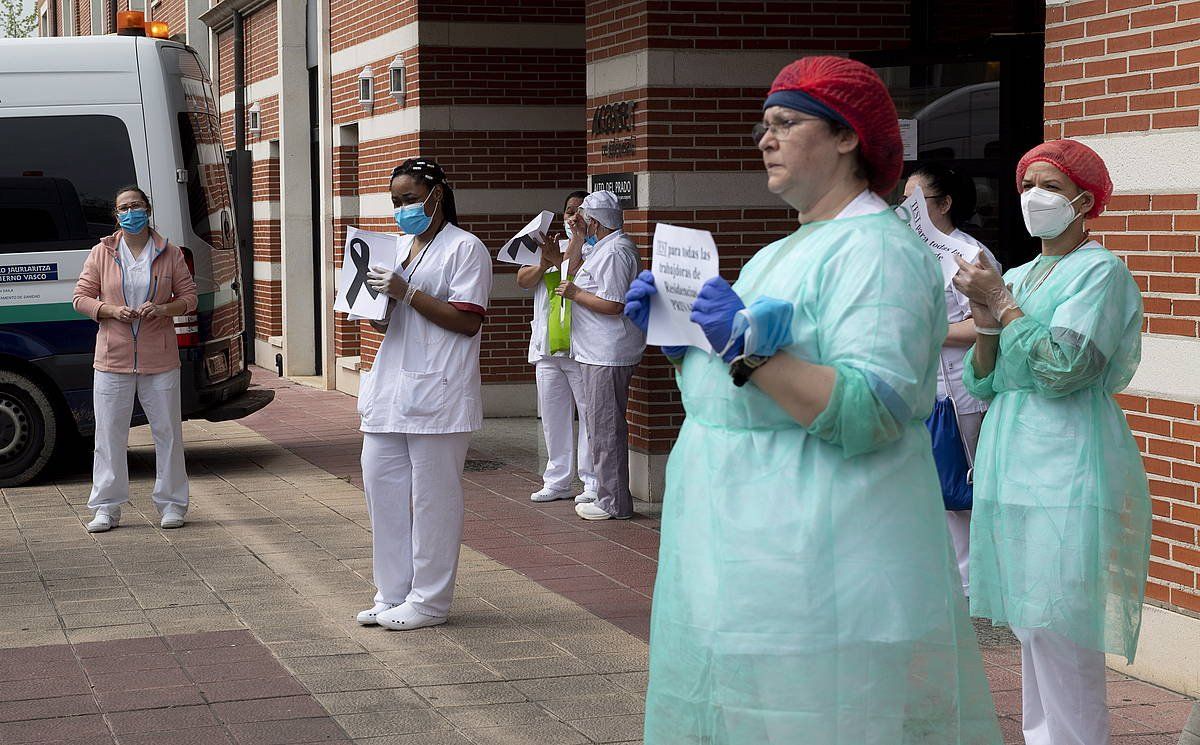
971, 84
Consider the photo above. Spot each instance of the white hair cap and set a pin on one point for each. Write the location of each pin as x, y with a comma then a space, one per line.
603, 207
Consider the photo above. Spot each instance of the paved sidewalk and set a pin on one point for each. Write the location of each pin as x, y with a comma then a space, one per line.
109, 637
239, 628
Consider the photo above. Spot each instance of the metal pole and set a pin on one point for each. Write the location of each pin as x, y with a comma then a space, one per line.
242, 207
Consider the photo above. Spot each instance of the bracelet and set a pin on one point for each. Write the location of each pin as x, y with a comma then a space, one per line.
408, 295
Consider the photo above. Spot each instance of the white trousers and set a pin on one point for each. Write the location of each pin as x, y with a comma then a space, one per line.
415, 500
560, 394
1062, 690
112, 397
959, 521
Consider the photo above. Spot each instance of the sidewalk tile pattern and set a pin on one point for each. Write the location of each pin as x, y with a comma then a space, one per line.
142, 635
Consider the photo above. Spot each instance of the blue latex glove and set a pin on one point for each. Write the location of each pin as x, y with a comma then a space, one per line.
637, 300
713, 310
765, 327
675, 354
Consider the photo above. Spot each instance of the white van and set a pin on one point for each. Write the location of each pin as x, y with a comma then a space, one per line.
81, 117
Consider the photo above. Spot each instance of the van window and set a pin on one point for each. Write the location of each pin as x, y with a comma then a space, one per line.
58, 178
207, 186
209, 200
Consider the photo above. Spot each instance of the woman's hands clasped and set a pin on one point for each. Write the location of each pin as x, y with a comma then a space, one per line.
985, 288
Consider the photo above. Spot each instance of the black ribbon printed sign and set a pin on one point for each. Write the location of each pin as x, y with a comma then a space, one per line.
360, 254
526, 241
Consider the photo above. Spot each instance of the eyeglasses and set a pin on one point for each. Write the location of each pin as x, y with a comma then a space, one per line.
127, 207
780, 129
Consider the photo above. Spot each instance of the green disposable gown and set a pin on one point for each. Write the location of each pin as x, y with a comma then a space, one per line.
1060, 532
806, 591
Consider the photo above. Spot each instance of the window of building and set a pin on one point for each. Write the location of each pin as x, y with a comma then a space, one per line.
58, 179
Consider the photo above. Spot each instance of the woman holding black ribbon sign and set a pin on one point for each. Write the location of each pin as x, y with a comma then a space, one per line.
559, 381
422, 399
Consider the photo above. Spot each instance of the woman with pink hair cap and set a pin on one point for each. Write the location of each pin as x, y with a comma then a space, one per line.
1060, 532
806, 591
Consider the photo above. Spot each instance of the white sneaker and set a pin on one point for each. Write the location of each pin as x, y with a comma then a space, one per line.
589, 511
405, 617
587, 496
104, 520
549, 495
367, 617
172, 517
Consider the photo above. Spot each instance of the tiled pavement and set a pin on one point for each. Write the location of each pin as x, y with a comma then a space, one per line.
238, 628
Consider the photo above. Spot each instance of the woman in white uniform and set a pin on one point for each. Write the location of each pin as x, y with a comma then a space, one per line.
559, 386
133, 283
951, 198
421, 400
607, 345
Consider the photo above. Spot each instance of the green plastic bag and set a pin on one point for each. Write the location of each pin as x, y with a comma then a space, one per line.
558, 321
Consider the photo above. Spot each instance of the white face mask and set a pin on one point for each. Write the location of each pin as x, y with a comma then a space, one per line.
1047, 215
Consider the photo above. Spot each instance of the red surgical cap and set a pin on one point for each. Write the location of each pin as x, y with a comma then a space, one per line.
1081, 164
855, 93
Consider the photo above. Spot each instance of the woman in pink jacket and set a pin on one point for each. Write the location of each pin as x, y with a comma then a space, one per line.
133, 283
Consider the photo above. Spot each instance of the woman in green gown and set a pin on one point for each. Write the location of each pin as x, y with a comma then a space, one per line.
1060, 531
807, 593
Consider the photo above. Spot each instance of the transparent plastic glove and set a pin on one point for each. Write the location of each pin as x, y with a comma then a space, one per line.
765, 327
982, 284
713, 311
637, 300
387, 282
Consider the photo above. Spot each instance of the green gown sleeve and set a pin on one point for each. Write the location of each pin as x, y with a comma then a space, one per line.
1072, 350
980, 388
882, 318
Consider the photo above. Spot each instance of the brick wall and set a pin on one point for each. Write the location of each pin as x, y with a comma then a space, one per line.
354, 21
1122, 66
618, 27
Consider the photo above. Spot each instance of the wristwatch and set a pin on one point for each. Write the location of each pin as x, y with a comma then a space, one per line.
743, 367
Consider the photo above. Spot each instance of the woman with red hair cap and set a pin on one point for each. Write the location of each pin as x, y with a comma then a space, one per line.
806, 592
1060, 532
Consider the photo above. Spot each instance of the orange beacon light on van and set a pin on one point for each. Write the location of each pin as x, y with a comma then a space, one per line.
131, 23
134, 23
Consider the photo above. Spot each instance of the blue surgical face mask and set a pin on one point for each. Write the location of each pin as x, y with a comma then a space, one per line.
133, 221
412, 219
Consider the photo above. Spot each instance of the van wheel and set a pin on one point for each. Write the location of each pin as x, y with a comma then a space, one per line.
29, 430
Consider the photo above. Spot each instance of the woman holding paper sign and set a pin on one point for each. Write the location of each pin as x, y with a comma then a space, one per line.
559, 384
950, 198
806, 589
1060, 534
607, 345
421, 400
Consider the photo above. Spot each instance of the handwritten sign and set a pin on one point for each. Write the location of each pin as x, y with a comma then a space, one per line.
915, 212
364, 250
683, 260
524, 248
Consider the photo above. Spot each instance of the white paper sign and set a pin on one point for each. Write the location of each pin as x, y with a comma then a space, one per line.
683, 260
908, 138
915, 212
524, 248
364, 250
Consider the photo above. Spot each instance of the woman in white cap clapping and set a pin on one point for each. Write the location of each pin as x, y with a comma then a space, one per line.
607, 345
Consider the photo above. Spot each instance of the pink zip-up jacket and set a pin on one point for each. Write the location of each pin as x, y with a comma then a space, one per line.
154, 349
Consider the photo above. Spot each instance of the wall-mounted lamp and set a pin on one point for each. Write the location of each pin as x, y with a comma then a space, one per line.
255, 112
366, 88
396, 79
